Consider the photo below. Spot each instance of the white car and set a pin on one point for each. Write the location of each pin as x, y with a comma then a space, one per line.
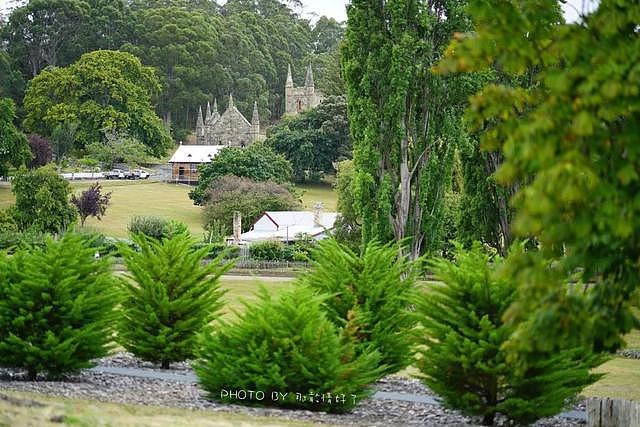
139, 174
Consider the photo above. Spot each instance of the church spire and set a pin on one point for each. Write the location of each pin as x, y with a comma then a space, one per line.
200, 122
207, 118
230, 101
289, 77
308, 81
215, 106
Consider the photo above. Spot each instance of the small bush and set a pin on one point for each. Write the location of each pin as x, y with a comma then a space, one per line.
268, 250
371, 293
285, 346
150, 226
7, 221
56, 307
175, 227
170, 297
228, 194
463, 356
12, 240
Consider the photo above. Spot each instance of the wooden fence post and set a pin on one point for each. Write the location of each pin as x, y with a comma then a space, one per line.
605, 412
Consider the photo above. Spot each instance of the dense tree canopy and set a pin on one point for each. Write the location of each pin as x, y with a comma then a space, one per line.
257, 162
573, 136
14, 150
199, 49
103, 90
314, 140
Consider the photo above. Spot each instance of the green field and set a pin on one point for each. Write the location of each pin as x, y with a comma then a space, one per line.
131, 198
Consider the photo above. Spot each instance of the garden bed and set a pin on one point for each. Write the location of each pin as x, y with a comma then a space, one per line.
108, 387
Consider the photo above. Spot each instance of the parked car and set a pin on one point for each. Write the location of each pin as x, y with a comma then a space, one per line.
115, 174
139, 174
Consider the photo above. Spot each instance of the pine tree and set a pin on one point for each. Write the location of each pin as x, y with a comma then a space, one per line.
170, 297
371, 294
462, 354
56, 307
287, 348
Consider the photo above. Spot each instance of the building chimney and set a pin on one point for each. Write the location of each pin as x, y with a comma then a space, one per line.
317, 214
237, 226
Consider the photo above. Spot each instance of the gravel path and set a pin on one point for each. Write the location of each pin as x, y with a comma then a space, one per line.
106, 387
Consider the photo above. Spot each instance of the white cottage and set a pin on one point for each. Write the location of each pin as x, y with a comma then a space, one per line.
287, 225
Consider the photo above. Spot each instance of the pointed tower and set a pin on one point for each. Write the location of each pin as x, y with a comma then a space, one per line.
215, 115
207, 118
200, 127
308, 81
289, 77
255, 123
289, 102
230, 106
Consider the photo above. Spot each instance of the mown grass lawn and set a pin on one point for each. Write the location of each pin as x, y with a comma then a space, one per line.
131, 198
31, 409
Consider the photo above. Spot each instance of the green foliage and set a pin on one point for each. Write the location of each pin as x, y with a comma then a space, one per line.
268, 250
170, 297
314, 140
370, 296
404, 119
14, 149
45, 32
182, 45
347, 227
12, 240
150, 226
257, 162
117, 148
288, 346
104, 89
62, 139
12, 84
7, 222
42, 200
571, 138
461, 344
56, 307
229, 194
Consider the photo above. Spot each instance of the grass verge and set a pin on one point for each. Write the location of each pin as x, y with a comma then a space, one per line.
30, 409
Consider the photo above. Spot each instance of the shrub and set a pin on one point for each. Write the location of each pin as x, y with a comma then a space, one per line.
7, 222
230, 193
56, 307
117, 148
150, 226
268, 250
169, 298
285, 346
371, 293
91, 202
40, 151
175, 227
463, 357
258, 163
42, 200
12, 240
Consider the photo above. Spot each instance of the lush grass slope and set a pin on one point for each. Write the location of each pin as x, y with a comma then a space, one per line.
130, 198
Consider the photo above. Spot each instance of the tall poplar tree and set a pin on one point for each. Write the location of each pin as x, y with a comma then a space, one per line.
405, 120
